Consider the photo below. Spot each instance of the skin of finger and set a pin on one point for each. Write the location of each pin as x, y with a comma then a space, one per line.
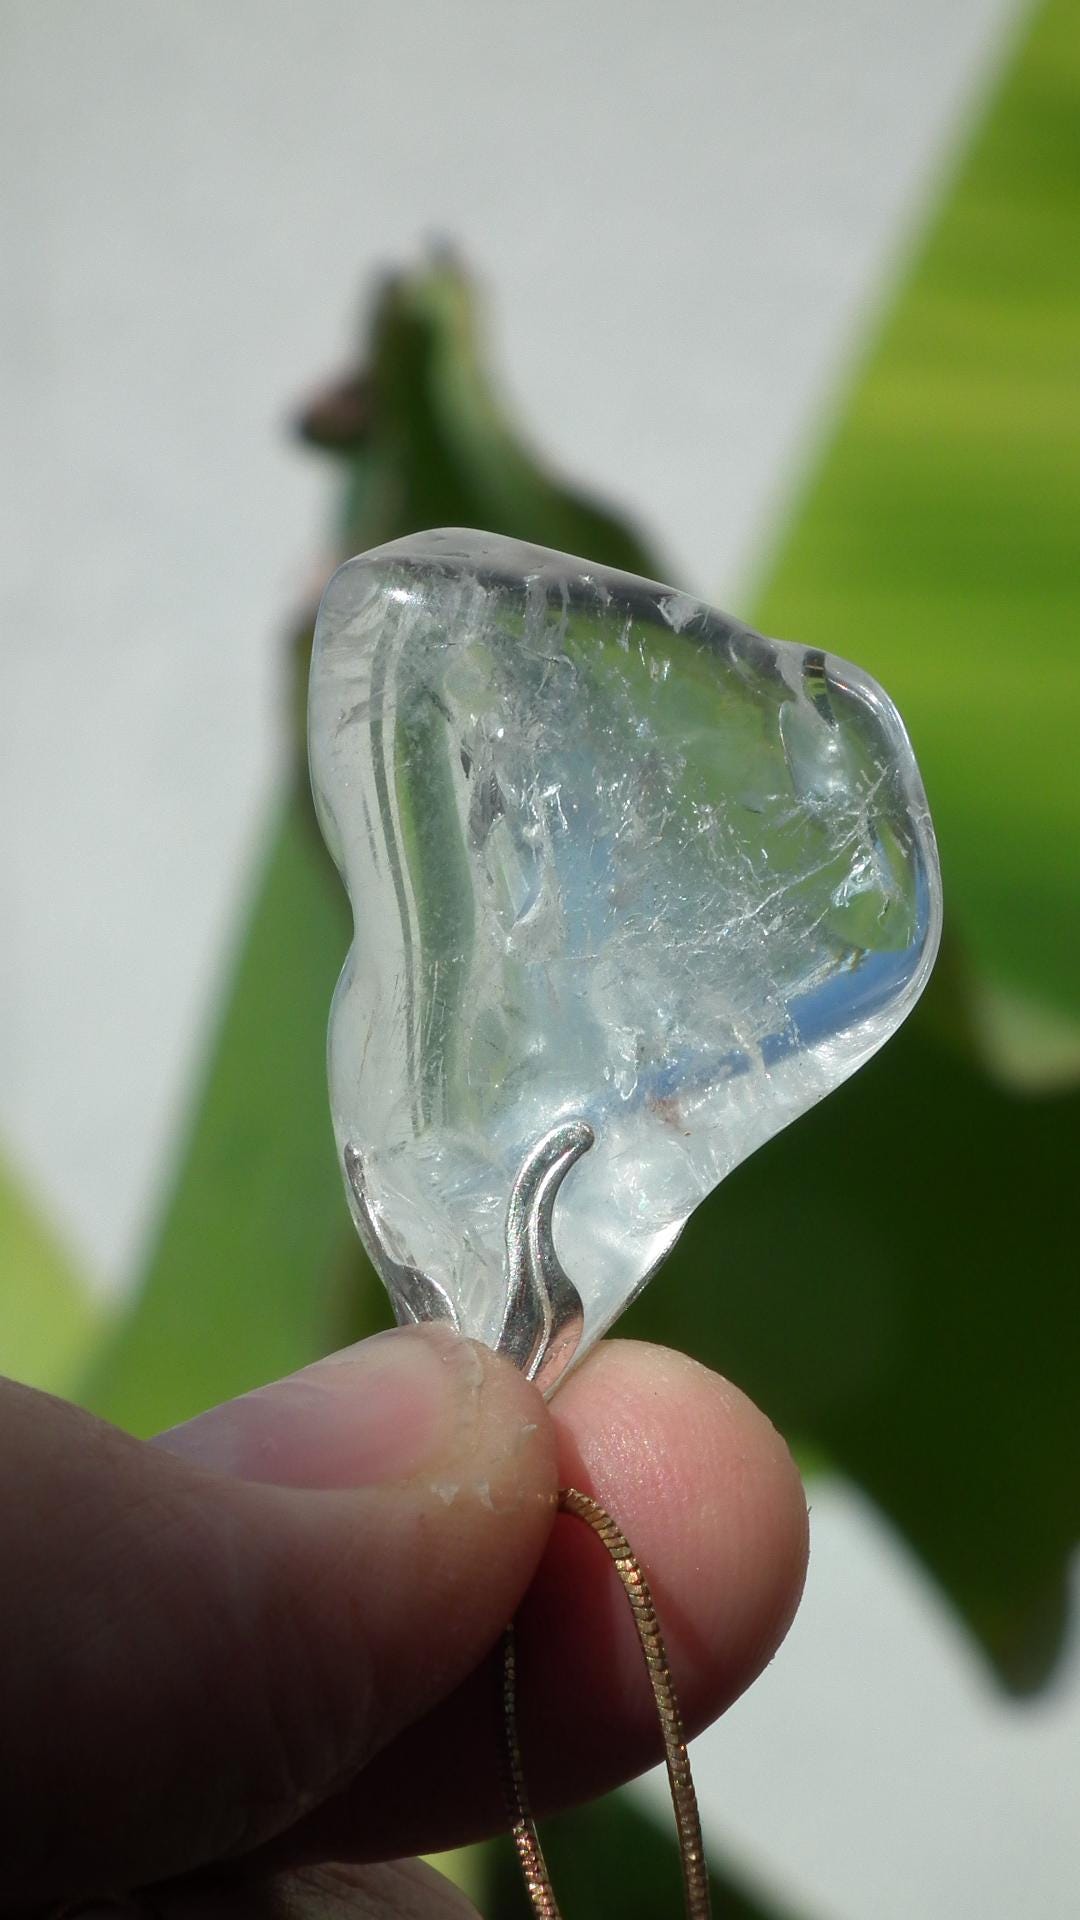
192, 1663
397, 1890
707, 1493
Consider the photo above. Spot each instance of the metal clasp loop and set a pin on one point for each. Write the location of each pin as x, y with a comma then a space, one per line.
543, 1317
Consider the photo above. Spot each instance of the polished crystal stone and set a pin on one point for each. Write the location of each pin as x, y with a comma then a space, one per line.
611, 856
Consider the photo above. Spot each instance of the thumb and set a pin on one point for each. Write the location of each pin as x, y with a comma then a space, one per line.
206, 1635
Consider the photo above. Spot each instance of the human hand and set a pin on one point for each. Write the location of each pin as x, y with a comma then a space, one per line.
264, 1642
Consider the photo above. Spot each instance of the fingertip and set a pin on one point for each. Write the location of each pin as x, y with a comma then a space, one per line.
708, 1496
707, 1491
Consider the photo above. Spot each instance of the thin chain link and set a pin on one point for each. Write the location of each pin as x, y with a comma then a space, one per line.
683, 1797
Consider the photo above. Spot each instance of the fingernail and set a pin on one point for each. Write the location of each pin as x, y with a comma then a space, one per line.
385, 1410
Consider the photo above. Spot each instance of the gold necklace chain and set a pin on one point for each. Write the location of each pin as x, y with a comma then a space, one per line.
683, 1797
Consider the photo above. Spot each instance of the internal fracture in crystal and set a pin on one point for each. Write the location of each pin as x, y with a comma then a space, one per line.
612, 857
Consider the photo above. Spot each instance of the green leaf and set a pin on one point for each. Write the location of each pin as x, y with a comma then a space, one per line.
467, 1868
612, 1857
431, 446
255, 1269
48, 1319
894, 1281
938, 543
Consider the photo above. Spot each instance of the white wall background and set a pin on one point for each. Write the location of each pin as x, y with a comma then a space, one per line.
685, 215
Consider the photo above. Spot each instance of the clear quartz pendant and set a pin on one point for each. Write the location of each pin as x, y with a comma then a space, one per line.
633, 887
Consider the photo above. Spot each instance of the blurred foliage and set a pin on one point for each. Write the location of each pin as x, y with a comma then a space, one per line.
425, 443
939, 543
894, 1280
613, 1858
48, 1322
254, 1271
